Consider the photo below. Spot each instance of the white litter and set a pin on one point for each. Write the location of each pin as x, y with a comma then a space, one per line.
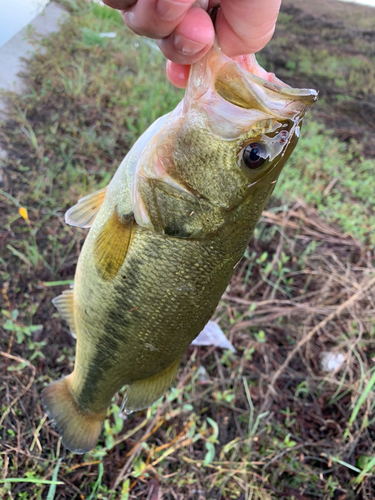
213, 335
111, 34
331, 361
203, 377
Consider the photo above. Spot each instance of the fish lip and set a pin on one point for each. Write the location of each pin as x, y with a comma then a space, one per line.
248, 65
306, 96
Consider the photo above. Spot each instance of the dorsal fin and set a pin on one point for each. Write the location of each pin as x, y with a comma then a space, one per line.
111, 245
64, 304
84, 212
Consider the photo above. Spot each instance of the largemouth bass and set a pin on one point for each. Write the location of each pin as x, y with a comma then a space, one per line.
166, 235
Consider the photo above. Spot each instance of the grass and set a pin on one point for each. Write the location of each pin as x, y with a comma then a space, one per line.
337, 180
265, 423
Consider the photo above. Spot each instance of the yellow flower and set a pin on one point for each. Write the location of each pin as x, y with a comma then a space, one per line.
23, 213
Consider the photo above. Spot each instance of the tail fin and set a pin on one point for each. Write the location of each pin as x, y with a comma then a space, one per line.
79, 430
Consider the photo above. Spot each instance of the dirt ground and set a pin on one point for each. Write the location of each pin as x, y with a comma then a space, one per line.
265, 423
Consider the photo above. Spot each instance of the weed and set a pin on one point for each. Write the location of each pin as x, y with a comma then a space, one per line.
216, 433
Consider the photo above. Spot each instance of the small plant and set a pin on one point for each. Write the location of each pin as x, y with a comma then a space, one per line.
111, 430
21, 332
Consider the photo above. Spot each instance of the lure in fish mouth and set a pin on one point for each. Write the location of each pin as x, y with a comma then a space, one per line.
165, 237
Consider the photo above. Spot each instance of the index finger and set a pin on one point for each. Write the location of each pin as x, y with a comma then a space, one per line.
246, 26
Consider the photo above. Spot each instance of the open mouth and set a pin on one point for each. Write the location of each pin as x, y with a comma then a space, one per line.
244, 83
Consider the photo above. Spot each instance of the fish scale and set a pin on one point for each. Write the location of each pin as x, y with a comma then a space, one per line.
165, 293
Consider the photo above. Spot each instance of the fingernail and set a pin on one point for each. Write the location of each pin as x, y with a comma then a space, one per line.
120, 4
203, 4
186, 46
169, 10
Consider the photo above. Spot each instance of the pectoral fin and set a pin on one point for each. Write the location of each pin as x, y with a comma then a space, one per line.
111, 245
84, 212
143, 393
64, 304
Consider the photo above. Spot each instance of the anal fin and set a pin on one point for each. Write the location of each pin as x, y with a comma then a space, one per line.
144, 393
64, 304
111, 245
84, 212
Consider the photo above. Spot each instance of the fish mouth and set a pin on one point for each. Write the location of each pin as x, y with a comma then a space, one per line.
242, 82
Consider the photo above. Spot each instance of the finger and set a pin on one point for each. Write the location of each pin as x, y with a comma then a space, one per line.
191, 40
246, 26
178, 74
120, 4
156, 18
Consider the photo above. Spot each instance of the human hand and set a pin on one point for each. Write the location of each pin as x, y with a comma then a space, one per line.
185, 32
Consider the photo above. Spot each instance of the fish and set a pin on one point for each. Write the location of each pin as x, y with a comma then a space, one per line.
165, 237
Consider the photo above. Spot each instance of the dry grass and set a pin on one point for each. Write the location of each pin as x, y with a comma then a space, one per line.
265, 423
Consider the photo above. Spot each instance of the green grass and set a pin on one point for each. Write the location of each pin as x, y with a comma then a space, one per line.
320, 161
340, 69
89, 99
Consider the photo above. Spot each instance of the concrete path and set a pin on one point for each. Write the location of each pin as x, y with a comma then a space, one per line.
18, 46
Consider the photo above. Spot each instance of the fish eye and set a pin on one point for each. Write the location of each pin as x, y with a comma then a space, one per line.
254, 155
